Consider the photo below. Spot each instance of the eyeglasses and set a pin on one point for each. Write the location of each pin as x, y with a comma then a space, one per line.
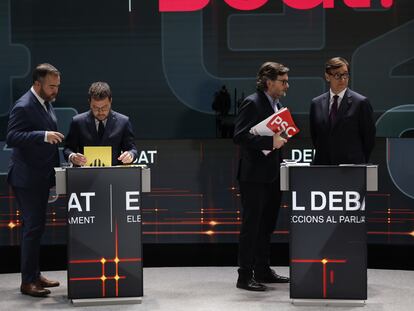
100, 109
340, 76
284, 82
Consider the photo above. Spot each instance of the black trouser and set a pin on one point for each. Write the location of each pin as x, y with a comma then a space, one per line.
32, 204
260, 203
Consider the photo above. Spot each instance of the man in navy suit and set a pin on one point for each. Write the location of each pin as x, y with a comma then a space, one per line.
258, 176
32, 133
341, 121
100, 126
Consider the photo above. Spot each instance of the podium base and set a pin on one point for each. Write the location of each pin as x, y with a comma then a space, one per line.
105, 301
329, 302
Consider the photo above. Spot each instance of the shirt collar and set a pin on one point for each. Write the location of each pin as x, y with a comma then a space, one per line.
103, 121
340, 95
41, 100
273, 102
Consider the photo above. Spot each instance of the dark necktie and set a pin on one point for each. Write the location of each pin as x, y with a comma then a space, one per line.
278, 105
49, 110
101, 129
334, 109
47, 105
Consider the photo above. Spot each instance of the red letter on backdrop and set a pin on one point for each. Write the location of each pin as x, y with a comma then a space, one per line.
366, 3
182, 5
387, 3
244, 5
358, 3
309, 4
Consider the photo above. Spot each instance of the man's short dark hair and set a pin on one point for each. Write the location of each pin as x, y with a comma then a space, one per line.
99, 91
335, 63
42, 70
269, 71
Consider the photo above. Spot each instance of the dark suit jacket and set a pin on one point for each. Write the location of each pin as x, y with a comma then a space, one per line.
254, 166
352, 136
33, 160
118, 134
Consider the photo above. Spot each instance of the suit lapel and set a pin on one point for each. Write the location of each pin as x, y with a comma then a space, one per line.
90, 121
265, 105
47, 118
325, 109
52, 116
109, 126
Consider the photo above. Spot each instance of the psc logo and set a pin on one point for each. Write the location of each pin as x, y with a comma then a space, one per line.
243, 5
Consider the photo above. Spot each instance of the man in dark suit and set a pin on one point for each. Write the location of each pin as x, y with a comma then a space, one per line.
100, 126
32, 133
258, 176
341, 121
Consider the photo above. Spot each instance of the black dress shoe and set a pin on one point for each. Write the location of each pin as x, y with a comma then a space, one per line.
43, 282
270, 277
33, 289
250, 284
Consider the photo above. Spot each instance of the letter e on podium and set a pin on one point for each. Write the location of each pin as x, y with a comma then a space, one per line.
98, 155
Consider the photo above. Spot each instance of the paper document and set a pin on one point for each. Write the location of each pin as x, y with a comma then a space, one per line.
279, 121
98, 155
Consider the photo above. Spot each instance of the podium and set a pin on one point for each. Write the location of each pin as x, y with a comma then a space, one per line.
328, 252
104, 246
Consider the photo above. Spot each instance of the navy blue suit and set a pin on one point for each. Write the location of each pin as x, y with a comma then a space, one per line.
118, 134
351, 137
258, 176
31, 174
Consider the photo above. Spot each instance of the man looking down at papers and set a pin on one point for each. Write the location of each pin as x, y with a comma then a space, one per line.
258, 176
100, 126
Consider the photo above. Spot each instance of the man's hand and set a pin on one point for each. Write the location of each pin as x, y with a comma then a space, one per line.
278, 141
78, 159
54, 137
126, 157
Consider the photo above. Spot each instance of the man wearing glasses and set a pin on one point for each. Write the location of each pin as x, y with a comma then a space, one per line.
100, 126
341, 121
258, 176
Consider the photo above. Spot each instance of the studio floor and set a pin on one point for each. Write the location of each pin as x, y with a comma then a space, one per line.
213, 288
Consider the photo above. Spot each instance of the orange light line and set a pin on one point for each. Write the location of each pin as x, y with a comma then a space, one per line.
86, 279
200, 232
103, 275
320, 260
175, 195
215, 212
388, 233
116, 256
169, 191
199, 222
306, 260
324, 280
324, 263
85, 261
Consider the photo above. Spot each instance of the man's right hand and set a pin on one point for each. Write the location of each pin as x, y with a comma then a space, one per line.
278, 140
78, 159
54, 137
